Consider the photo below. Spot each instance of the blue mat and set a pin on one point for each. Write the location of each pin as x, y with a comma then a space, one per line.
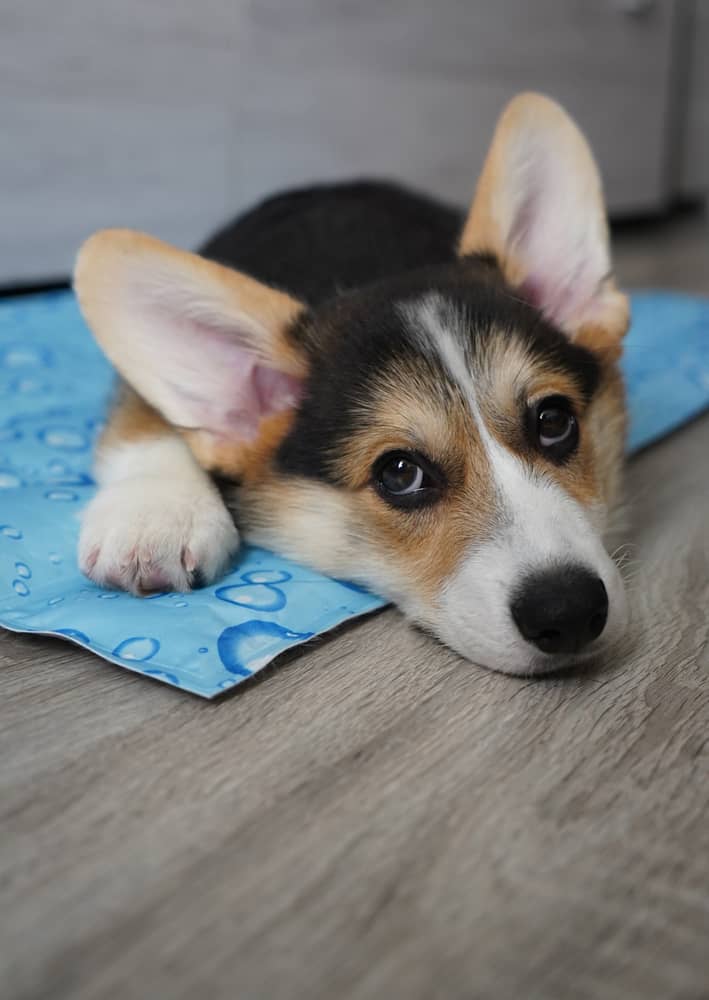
53, 387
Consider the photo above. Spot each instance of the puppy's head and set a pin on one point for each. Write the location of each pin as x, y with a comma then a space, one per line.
452, 438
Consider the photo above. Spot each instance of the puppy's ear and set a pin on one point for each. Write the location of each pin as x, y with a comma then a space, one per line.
539, 209
205, 345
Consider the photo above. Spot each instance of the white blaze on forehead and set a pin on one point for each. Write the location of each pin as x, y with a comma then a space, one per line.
439, 326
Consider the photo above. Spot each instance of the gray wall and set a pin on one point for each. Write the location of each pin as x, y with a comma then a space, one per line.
169, 116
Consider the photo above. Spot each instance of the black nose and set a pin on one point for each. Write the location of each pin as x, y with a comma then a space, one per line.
561, 610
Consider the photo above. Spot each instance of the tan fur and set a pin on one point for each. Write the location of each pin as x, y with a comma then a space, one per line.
249, 461
432, 419
605, 342
131, 419
606, 427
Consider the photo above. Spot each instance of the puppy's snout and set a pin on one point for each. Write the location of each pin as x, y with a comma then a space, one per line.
561, 610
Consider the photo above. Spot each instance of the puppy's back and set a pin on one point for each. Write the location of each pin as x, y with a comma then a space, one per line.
314, 242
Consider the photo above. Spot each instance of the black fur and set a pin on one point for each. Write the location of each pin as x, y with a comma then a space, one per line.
318, 241
354, 253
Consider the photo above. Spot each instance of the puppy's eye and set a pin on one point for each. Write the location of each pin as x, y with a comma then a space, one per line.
555, 429
406, 480
401, 476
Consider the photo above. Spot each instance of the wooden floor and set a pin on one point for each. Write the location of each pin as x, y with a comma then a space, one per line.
377, 818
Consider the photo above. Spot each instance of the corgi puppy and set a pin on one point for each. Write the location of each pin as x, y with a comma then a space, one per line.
367, 382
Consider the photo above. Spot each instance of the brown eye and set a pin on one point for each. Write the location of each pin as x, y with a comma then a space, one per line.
401, 476
555, 429
554, 426
406, 480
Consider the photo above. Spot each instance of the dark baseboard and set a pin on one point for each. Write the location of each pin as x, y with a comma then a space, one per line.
31, 287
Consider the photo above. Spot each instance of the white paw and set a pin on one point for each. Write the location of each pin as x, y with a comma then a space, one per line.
148, 534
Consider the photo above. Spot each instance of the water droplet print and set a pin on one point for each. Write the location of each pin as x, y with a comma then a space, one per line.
61, 495
64, 438
254, 597
20, 588
9, 481
23, 570
266, 576
240, 645
72, 633
64, 475
22, 356
163, 675
9, 532
138, 649
203, 649
258, 592
28, 385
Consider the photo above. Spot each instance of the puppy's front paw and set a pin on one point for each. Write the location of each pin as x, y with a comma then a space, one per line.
145, 535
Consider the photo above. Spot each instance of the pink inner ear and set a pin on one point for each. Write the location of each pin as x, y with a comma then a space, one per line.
559, 246
259, 392
562, 302
221, 385
276, 390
